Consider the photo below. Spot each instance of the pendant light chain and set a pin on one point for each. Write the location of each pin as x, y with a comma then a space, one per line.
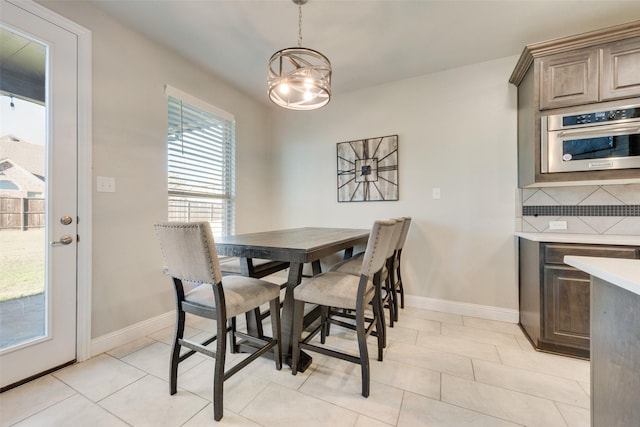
299, 25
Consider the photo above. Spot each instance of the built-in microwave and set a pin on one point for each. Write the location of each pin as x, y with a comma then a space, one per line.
597, 139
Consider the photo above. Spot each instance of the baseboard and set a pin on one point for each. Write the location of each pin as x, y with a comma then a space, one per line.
115, 339
463, 308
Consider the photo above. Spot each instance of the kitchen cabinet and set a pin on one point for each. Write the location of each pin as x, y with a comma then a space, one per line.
564, 75
577, 78
569, 78
620, 72
555, 298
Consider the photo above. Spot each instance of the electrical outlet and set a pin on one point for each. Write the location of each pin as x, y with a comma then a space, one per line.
557, 225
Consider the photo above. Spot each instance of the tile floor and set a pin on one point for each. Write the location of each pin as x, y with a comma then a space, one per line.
439, 370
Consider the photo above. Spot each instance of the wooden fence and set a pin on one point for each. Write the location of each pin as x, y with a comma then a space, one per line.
21, 213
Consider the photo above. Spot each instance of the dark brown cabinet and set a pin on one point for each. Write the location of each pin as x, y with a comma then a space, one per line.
620, 75
569, 79
566, 308
584, 76
565, 75
555, 298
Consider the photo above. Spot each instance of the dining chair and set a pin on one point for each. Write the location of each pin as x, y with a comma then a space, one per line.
347, 291
190, 255
386, 285
398, 287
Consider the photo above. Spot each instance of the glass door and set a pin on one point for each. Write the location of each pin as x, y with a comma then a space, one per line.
38, 195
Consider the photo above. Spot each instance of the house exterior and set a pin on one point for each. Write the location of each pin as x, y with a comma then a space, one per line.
18, 182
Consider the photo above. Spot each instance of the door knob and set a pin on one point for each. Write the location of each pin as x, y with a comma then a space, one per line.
64, 240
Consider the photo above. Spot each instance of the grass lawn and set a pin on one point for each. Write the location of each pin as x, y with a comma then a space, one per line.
21, 263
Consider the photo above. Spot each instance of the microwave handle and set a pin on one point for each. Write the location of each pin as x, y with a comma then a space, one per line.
583, 132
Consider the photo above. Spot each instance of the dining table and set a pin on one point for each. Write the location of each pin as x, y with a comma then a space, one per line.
297, 246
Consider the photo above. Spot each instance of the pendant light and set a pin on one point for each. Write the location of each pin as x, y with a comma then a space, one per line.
299, 78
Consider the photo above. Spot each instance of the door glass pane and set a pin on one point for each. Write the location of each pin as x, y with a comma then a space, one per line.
22, 190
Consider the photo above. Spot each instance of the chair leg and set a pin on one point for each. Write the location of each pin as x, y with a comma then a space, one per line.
274, 307
324, 321
393, 300
378, 306
364, 352
389, 297
233, 342
399, 283
175, 353
296, 334
218, 375
381, 332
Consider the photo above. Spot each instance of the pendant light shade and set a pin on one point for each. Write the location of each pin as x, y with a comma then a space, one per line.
299, 78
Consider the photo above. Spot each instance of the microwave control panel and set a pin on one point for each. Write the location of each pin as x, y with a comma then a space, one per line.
601, 116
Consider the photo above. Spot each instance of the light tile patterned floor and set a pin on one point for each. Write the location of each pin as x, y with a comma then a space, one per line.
439, 370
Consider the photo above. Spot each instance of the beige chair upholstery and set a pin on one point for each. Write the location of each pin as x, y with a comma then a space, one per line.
190, 255
341, 290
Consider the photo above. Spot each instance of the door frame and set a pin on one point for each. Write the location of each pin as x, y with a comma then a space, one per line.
84, 224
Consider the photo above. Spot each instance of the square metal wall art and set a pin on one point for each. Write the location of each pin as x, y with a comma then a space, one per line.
368, 169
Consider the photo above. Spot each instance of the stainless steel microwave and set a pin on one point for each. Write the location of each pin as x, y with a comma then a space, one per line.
598, 139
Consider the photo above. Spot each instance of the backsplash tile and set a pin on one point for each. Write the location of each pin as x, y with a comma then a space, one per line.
591, 209
582, 210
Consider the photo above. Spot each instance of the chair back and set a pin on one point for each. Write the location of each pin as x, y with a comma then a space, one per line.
395, 238
378, 244
404, 233
189, 251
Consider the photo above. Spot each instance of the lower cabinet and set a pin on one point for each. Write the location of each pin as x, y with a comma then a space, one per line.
565, 317
555, 298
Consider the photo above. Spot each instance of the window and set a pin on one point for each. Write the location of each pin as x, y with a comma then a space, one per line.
201, 163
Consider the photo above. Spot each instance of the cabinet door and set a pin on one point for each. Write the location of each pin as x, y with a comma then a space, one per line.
566, 313
569, 79
620, 75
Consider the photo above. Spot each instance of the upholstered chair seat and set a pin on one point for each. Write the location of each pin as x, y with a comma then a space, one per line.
333, 289
241, 294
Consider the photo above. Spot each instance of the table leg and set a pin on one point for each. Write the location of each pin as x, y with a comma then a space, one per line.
254, 323
348, 253
286, 322
317, 267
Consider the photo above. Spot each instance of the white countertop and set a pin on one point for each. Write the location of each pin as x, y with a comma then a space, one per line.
595, 239
624, 273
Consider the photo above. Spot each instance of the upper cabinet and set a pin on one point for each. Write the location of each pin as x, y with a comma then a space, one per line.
584, 76
620, 71
569, 78
584, 72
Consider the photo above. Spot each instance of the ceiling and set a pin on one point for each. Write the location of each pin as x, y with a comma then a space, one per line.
22, 66
369, 42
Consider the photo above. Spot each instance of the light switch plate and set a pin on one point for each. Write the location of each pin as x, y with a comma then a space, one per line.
435, 192
106, 184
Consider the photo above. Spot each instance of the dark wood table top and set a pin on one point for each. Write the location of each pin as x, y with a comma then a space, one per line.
299, 245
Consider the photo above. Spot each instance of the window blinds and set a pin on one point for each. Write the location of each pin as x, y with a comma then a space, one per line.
201, 166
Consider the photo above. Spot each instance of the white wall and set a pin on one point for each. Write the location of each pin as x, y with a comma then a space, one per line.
129, 117
457, 132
